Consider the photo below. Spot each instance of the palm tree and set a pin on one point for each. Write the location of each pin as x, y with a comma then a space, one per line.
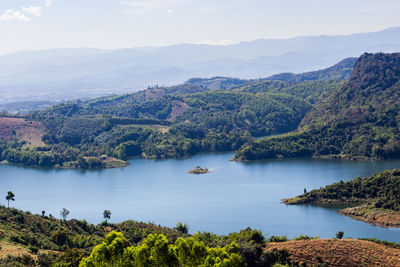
64, 213
10, 196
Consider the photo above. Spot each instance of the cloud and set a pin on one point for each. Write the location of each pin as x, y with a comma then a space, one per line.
10, 14
48, 2
33, 10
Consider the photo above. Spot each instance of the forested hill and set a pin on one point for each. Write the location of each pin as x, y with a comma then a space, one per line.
377, 198
164, 122
339, 71
360, 120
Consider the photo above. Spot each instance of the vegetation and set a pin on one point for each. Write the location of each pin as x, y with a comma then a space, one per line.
155, 250
10, 196
106, 215
199, 170
378, 197
201, 115
361, 120
47, 241
339, 235
340, 71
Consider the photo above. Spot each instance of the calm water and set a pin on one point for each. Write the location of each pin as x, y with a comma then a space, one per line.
235, 195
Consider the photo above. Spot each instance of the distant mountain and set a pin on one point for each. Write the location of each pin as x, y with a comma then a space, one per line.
361, 120
340, 71
86, 73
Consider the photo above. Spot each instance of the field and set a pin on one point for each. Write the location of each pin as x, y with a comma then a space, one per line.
22, 130
334, 252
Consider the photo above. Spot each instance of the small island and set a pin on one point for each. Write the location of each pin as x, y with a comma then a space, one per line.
199, 170
374, 199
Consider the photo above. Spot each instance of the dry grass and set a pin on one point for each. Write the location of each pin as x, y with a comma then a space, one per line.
346, 252
14, 250
22, 130
380, 217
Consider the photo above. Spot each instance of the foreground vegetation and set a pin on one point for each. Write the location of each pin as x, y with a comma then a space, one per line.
377, 198
361, 120
40, 240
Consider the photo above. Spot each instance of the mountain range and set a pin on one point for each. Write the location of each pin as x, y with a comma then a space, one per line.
63, 74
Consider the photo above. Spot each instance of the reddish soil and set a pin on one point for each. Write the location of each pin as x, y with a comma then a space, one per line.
178, 107
345, 252
22, 130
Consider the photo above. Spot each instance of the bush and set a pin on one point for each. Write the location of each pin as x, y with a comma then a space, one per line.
305, 237
278, 238
339, 235
33, 249
183, 228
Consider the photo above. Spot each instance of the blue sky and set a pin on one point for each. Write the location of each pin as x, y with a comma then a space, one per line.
110, 24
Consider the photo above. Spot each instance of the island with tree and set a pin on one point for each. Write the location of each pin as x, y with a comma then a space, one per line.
199, 170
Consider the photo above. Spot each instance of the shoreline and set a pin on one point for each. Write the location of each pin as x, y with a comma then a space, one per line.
358, 211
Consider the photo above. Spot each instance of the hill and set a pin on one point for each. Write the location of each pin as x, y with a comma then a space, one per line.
28, 132
339, 71
65, 74
334, 252
358, 121
168, 122
42, 240
374, 199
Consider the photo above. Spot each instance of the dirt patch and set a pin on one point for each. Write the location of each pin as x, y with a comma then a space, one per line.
178, 107
380, 217
334, 252
22, 130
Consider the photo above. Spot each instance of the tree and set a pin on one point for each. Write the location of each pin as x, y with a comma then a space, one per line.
183, 228
156, 250
305, 190
64, 213
10, 196
43, 213
339, 235
107, 215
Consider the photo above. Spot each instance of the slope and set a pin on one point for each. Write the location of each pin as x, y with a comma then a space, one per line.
361, 120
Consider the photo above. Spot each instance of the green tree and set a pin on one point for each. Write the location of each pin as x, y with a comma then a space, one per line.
155, 250
107, 215
183, 228
10, 196
339, 235
64, 213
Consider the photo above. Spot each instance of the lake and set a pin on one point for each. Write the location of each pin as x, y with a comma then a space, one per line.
233, 196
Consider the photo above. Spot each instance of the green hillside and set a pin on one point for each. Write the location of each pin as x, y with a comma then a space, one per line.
40, 240
339, 71
377, 197
167, 122
361, 120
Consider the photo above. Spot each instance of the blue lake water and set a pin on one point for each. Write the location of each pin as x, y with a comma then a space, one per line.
233, 196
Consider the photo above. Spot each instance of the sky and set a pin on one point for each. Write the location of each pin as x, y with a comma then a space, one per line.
113, 24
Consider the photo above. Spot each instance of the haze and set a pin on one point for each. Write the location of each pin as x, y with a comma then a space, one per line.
45, 24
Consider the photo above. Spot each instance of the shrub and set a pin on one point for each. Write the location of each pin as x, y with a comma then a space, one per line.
183, 228
278, 238
339, 235
33, 249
